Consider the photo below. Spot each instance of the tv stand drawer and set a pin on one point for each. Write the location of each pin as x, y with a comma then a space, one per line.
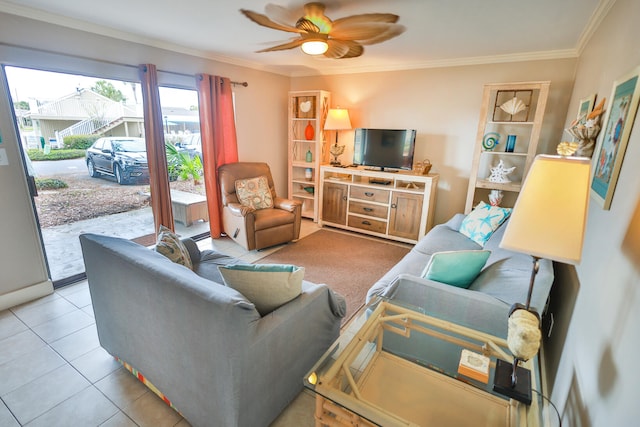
378, 211
367, 224
370, 194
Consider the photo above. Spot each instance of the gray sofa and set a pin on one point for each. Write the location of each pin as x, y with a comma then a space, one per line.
486, 303
202, 344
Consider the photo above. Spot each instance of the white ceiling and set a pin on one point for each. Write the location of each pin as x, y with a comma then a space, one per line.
439, 32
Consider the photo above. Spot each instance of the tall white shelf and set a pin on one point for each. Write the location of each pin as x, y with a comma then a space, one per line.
525, 125
307, 109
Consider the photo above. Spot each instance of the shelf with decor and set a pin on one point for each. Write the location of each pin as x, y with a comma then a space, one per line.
307, 147
506, 141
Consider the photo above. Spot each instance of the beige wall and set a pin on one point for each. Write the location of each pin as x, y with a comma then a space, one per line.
443, 105
597, 382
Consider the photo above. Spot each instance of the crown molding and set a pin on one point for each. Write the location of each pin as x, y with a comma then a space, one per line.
455, 62
603, 8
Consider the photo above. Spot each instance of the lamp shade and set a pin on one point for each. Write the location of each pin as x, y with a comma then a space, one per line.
550, 214
337, 119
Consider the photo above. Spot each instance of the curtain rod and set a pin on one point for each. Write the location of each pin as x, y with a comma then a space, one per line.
88, 58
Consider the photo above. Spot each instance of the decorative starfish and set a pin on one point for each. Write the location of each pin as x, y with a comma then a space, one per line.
499, 173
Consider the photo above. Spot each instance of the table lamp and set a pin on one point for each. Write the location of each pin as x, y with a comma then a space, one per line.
337, 119
547, 221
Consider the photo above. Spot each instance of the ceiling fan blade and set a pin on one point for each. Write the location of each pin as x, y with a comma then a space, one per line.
289, 45
307, 26
392, 31
339, 49
360, 31
282, 15
367, 17
263, 20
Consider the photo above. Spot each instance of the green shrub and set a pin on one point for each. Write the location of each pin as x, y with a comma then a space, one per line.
182, 165
79, 142
36, 155
50, 184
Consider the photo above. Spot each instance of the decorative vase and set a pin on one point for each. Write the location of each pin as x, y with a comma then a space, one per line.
511, 143
309, 132
308, 173
309, 156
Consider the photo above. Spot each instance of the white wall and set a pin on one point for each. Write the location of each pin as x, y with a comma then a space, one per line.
443, 105
23, 274
597, 381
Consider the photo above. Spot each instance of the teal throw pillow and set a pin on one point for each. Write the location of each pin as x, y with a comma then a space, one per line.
480, 224
267, 286
456, 268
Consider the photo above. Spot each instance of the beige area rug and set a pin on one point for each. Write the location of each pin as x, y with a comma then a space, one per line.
347, 262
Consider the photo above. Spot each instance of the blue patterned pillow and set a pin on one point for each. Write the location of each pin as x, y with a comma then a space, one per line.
480, 224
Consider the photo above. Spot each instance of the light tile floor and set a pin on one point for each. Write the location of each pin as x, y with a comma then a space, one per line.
53, 371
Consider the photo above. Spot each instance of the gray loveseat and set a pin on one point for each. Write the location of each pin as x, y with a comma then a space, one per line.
202, 344
486, 303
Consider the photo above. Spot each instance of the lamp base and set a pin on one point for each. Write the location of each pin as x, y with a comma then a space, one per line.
521, 391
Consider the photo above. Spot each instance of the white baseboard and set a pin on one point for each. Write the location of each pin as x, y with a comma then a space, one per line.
27, 294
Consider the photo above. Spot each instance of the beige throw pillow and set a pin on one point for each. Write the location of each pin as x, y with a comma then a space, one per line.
254, 192
267, 286
169, 245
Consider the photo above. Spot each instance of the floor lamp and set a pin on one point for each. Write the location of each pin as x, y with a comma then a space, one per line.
548, 221
337, 119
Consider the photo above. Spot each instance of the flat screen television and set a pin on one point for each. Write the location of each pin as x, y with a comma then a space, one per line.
384, 148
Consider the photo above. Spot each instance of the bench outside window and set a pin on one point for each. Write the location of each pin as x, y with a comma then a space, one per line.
188, 207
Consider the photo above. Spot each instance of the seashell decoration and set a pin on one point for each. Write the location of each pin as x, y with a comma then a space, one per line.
305, 106
513, 106
566, 148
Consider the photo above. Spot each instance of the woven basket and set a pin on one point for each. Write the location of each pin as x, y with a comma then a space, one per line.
426, 166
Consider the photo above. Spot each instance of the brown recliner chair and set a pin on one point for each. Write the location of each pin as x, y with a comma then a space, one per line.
251, 228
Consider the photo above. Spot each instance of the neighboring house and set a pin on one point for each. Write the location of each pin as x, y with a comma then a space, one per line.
178, 120
85, 112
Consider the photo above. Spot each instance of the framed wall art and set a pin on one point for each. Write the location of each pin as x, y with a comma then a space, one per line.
613, 141
585, 106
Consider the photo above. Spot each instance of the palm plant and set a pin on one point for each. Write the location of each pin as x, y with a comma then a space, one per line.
181, 165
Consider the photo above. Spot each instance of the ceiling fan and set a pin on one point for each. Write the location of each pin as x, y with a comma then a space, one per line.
319, 35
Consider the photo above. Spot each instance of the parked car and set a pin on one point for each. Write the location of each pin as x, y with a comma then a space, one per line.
124, 158
193, 145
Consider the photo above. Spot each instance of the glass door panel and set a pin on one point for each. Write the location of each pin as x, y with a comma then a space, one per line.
80, 189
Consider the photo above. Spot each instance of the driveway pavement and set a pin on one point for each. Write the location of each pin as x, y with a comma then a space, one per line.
61, 167
62, 245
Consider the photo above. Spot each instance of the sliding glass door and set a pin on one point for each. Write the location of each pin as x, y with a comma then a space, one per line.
81, 187
184, 157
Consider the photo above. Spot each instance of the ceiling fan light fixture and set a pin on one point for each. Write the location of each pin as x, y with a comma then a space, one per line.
314, 47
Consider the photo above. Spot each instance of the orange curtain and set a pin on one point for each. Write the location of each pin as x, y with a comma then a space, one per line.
219, 144
156, 151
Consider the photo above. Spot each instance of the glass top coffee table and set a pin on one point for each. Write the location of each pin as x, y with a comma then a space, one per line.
395, 365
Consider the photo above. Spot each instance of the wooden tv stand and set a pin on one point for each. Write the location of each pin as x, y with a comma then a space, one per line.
396, 205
